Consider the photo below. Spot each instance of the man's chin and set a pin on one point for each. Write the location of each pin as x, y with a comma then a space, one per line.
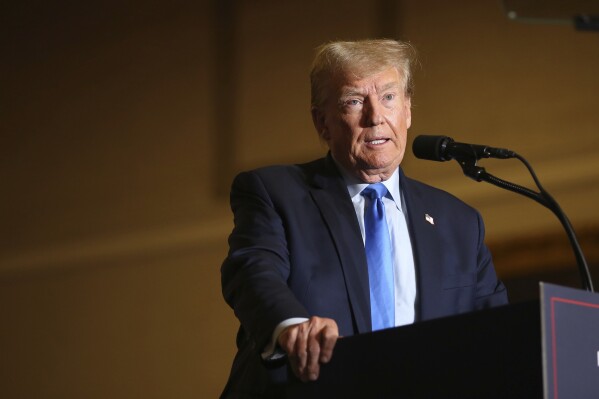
377, 165
376, 173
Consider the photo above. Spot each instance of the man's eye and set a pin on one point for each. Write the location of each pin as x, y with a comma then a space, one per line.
352, 102
389, 97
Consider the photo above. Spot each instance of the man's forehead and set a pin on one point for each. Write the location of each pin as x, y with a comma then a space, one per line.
381, 80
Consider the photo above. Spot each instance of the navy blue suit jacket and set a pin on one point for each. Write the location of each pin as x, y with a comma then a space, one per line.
296, 251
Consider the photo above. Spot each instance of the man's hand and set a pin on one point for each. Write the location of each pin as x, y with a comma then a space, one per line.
308, 344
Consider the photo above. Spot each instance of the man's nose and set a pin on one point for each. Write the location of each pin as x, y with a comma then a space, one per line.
374, 113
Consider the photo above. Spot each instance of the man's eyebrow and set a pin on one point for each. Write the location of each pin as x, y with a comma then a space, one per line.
352, 91
355, 91
390, 85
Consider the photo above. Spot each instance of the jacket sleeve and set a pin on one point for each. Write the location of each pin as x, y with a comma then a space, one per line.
255, 273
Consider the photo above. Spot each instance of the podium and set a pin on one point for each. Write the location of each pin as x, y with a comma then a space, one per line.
515, 351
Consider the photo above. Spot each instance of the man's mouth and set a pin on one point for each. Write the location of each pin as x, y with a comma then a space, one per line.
377, 141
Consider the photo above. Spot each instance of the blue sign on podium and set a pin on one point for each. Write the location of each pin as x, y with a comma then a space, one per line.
570, 335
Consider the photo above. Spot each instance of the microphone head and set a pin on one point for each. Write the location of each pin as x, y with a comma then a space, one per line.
431, 147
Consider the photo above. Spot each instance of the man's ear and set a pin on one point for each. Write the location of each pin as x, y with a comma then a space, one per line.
408, 112
318, 119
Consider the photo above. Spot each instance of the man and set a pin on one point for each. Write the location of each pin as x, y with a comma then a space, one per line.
301, 268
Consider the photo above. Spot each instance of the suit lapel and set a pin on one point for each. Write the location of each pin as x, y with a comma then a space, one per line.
330, 195
426, 247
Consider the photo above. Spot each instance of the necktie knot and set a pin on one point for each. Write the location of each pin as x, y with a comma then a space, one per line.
375, 191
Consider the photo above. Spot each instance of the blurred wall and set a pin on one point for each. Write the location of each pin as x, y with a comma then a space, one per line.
123, 124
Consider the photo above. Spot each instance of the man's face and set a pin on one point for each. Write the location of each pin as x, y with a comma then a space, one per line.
365, 123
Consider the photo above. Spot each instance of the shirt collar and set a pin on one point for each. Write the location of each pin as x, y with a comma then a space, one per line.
355, 186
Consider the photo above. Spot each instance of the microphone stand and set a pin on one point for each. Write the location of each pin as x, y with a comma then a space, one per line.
468, 164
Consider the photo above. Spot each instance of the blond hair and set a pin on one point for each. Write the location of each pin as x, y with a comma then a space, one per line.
361, 58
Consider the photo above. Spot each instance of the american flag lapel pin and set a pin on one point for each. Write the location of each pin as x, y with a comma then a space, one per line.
429, 218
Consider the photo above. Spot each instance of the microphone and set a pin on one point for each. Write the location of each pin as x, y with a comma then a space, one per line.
443, 148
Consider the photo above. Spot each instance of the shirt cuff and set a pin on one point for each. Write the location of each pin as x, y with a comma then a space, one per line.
270, 352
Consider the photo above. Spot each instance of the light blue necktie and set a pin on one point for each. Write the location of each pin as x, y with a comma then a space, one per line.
379, 257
